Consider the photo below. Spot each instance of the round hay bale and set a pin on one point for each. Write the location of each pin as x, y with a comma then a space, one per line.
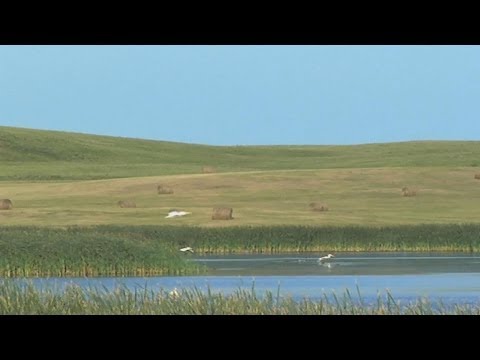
127, 204
317, 206
477, 176
222, 213
6, 204
162, 189
408, 192
208, 170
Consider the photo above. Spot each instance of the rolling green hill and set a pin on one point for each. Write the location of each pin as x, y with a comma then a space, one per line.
266, 185
57, 180
27, 154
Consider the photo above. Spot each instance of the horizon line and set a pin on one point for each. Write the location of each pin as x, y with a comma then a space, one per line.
237, 145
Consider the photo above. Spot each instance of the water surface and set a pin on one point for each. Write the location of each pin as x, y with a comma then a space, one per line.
451, 277
347, 263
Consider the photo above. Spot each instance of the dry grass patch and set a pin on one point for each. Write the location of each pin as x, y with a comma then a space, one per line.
208, 170
317, 206
408, 192
6, 204
222, 213
162, 189
127, 204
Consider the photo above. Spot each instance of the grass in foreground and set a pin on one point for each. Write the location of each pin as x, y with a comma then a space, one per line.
21, 299
154, 250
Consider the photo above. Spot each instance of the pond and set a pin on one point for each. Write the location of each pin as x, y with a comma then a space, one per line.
451, 277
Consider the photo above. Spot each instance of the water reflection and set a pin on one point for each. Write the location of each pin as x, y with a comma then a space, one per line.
342, 264
460, 288
452, 277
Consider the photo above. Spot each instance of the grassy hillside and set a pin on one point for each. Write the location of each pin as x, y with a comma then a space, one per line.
51, 155
269, 185
58, 179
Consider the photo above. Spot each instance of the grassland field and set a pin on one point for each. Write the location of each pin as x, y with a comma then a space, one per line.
57, 180
48, 175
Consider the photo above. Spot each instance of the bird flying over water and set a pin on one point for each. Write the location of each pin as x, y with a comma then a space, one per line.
185, 249
323, 258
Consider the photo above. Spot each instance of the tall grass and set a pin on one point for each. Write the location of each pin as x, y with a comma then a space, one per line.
153, 250
32, 252
275, 239
25, 298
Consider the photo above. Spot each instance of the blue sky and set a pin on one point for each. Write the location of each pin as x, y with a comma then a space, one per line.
242, 95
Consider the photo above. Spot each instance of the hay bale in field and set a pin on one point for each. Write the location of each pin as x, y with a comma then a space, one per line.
222, 213
6, 204
127, 204
408, 192
208, 170
316, 206
162, 189
477, 176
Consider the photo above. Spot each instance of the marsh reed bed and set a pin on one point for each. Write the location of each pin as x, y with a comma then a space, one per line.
42, 252
22, 298
154, 250
277, 239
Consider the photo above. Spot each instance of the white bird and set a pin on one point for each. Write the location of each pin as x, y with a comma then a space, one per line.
176, 213
174, 293
323, 258
185, 249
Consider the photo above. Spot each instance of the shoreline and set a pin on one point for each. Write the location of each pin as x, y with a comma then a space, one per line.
108, 250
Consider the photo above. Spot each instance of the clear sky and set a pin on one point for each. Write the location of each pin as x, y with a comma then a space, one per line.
242, 95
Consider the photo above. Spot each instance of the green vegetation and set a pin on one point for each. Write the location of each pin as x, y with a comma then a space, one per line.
265, 185
52, 155
153, 250
46, 173
370, 197
32, 252
21, 299
277, 239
